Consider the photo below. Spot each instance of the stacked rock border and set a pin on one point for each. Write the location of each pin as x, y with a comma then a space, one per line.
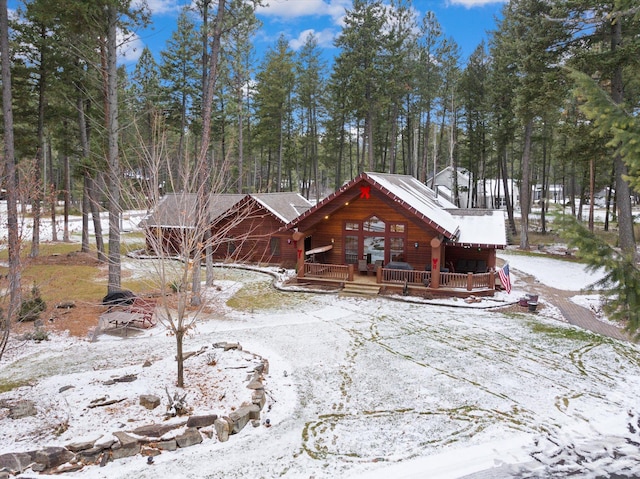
151, 440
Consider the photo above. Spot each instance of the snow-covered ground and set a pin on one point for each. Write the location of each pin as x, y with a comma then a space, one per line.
357, 388
360, 388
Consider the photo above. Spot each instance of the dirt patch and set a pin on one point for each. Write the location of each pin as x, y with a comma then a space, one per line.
76, 317
78, 320
76, 258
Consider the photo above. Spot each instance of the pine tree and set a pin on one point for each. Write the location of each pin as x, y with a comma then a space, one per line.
181, 78
621, 281
310, 89
612, 121
274, 88
360, 61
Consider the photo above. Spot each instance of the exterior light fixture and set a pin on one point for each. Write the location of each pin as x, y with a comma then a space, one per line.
415, 245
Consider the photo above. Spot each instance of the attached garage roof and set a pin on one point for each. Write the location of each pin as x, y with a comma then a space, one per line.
480, 228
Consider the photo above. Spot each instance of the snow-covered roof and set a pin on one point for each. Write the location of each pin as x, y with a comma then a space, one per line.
286, 206
415, 195
480, 227
177, 210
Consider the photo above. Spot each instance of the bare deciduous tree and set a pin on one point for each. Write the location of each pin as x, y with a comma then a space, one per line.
177, 233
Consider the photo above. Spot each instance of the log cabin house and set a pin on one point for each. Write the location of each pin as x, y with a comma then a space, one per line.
244, 228
394, 231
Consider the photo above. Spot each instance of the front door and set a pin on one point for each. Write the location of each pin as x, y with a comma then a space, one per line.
373, 231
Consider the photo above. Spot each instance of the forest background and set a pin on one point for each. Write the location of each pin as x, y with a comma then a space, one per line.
397, 98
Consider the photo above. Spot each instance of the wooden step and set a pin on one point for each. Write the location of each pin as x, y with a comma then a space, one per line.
359, 289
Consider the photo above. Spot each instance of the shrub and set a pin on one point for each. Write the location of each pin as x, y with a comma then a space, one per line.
31, 308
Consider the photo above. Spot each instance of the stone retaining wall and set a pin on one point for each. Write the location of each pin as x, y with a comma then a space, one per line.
150, 440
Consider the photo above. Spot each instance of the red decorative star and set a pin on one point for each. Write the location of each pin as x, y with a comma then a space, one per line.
365, 192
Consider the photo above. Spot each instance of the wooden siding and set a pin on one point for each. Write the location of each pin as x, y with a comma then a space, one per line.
360, 209
251, 238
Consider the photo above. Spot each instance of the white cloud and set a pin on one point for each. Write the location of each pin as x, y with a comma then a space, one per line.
473, 3
324, 38
288, 9
129, 47
160, 7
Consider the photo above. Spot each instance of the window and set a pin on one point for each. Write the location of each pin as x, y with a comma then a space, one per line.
352, 226
274, 246
351, 249
374, 225
397, 228
396, 248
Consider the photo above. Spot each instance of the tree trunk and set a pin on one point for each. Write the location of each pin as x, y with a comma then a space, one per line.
425, 147
611, 186
179, 358
36, 195
592, 193
392, 143
52, 192
204, 168
85, 214
10, 175
623, 192
505, 185
544, 183
525, 189
67, 199
113, 162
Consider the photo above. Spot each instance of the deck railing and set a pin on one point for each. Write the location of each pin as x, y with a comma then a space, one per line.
466, 281
403, 276
329, 271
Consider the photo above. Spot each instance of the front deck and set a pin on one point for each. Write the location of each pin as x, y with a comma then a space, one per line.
415, 283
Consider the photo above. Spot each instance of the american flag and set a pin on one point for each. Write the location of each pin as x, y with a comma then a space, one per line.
504, 277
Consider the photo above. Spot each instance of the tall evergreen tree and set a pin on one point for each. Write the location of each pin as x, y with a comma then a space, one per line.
181, 78
274, 88
9, 180
428, 71
361, 42
531, 38
239, 52
474, 92
604, 43
310, 89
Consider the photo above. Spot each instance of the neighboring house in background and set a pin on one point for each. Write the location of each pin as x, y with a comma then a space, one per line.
491, 193
246, 228
443, 185
555, 194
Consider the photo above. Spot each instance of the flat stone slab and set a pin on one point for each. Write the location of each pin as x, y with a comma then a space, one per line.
190, 437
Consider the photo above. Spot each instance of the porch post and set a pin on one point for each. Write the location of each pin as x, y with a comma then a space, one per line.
436, 252
491, 260
298, 239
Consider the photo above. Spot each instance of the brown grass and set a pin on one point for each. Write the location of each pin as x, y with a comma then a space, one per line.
65, 275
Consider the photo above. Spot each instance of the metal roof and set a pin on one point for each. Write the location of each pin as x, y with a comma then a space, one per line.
178, 210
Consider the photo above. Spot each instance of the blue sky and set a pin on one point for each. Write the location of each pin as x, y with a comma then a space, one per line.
466, 21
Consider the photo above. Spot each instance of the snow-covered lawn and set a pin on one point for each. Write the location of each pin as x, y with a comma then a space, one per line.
362, 388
